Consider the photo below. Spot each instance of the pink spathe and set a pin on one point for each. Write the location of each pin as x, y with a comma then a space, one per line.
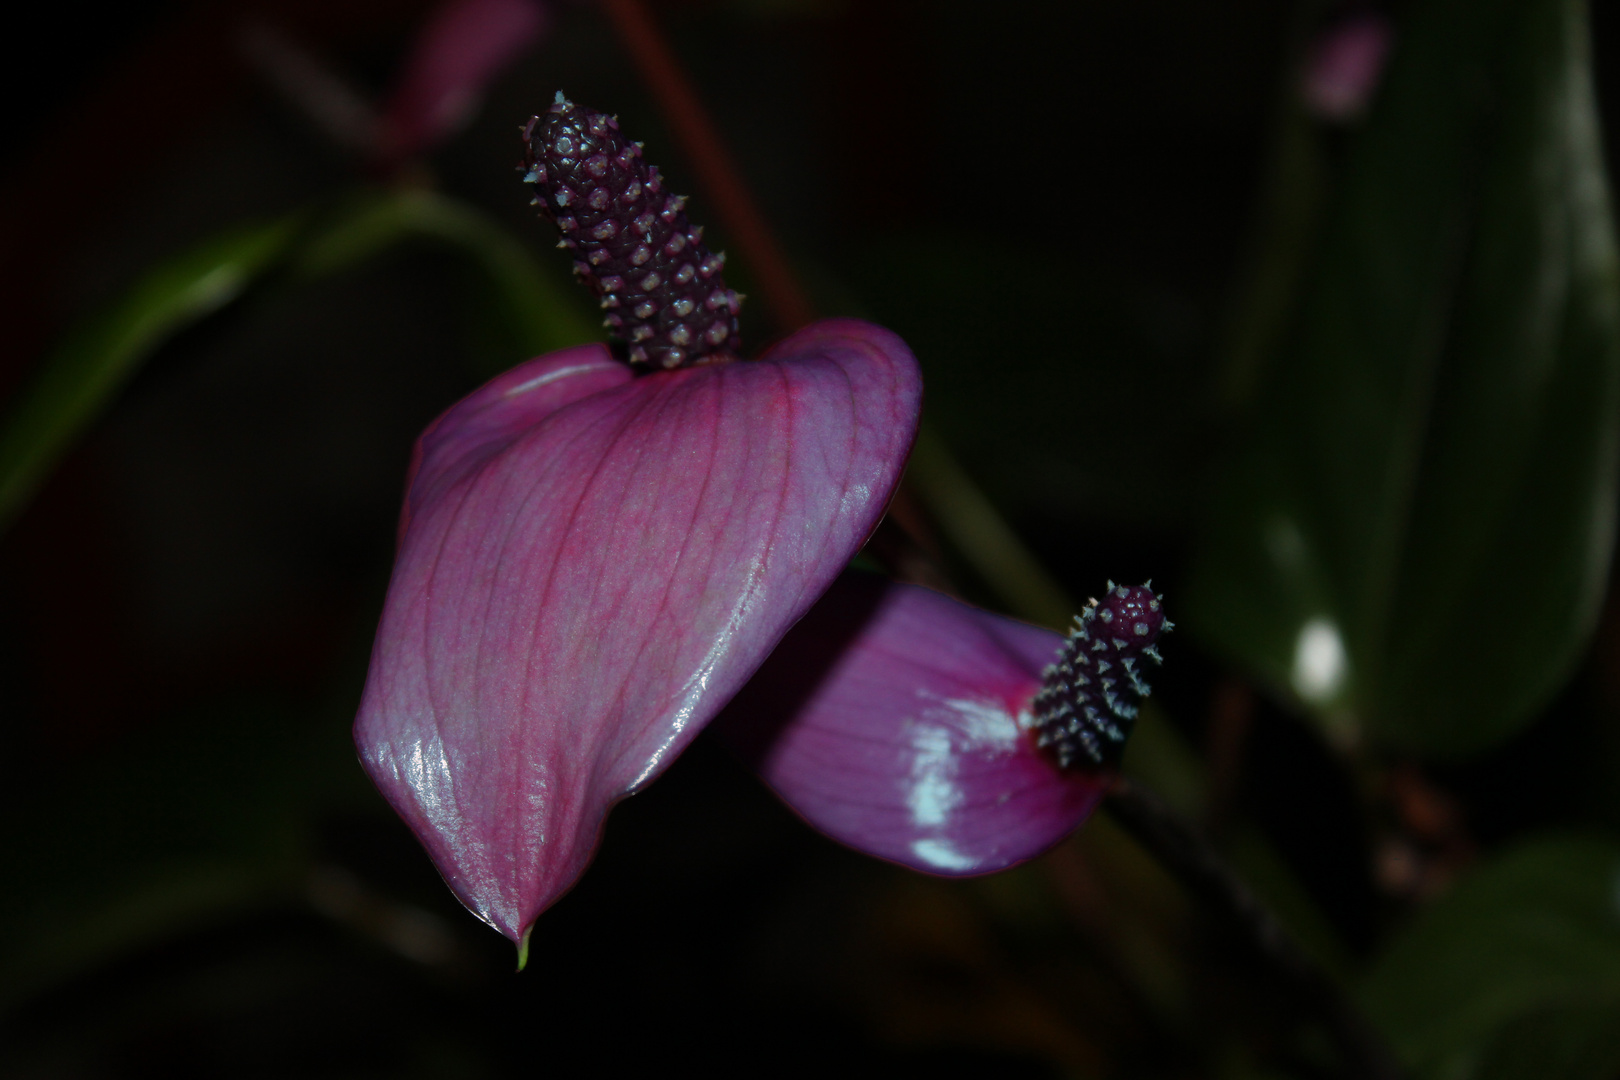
461, 48
1344, 66
590, 565
897, 720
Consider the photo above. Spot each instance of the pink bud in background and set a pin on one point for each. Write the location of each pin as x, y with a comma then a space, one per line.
1343, 66
463, 46
590, 565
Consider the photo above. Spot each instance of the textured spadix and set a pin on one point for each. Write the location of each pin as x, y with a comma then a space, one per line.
590, 565
898, 721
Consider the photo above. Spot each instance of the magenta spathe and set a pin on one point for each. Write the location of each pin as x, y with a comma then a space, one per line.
590, 565
903, 723
460, 49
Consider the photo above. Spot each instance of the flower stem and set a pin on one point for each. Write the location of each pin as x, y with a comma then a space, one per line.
1205, 875
722, 184
970, 523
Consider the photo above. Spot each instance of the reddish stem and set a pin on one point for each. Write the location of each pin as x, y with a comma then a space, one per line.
779, 287
784, 297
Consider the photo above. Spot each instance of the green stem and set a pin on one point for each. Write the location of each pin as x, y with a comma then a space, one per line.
972, 525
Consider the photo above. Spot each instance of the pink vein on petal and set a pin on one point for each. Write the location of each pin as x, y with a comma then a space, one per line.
692, 690
618, 558
586, 489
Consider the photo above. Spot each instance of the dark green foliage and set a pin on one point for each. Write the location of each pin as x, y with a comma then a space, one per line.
1431, 469
1516, 973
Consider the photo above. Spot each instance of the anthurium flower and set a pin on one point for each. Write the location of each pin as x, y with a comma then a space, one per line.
590, 565
916, 728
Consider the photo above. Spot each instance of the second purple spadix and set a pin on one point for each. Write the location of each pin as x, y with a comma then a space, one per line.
914, 727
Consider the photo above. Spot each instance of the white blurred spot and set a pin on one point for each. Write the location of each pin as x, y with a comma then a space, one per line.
1319, 661
960, 726
984, 725
933, 793
940, 853
551, 377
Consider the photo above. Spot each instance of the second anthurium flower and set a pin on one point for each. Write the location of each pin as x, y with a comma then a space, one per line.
913, 727
592, 562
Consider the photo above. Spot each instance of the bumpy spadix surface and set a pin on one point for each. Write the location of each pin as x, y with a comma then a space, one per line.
590, 565
898, 721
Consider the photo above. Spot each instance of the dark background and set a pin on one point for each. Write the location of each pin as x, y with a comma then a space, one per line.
1050, 201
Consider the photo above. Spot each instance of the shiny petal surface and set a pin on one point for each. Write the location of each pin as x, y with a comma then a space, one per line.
895, 720
590, 565
463, 45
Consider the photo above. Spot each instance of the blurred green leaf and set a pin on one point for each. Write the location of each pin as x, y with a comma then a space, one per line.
1293, 193
1414, 539
538, 316
1579, 1042
1515, 973
94, 361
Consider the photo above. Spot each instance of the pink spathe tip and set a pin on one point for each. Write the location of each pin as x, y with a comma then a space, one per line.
1344, 65
899, 721
590, 565
461, 48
